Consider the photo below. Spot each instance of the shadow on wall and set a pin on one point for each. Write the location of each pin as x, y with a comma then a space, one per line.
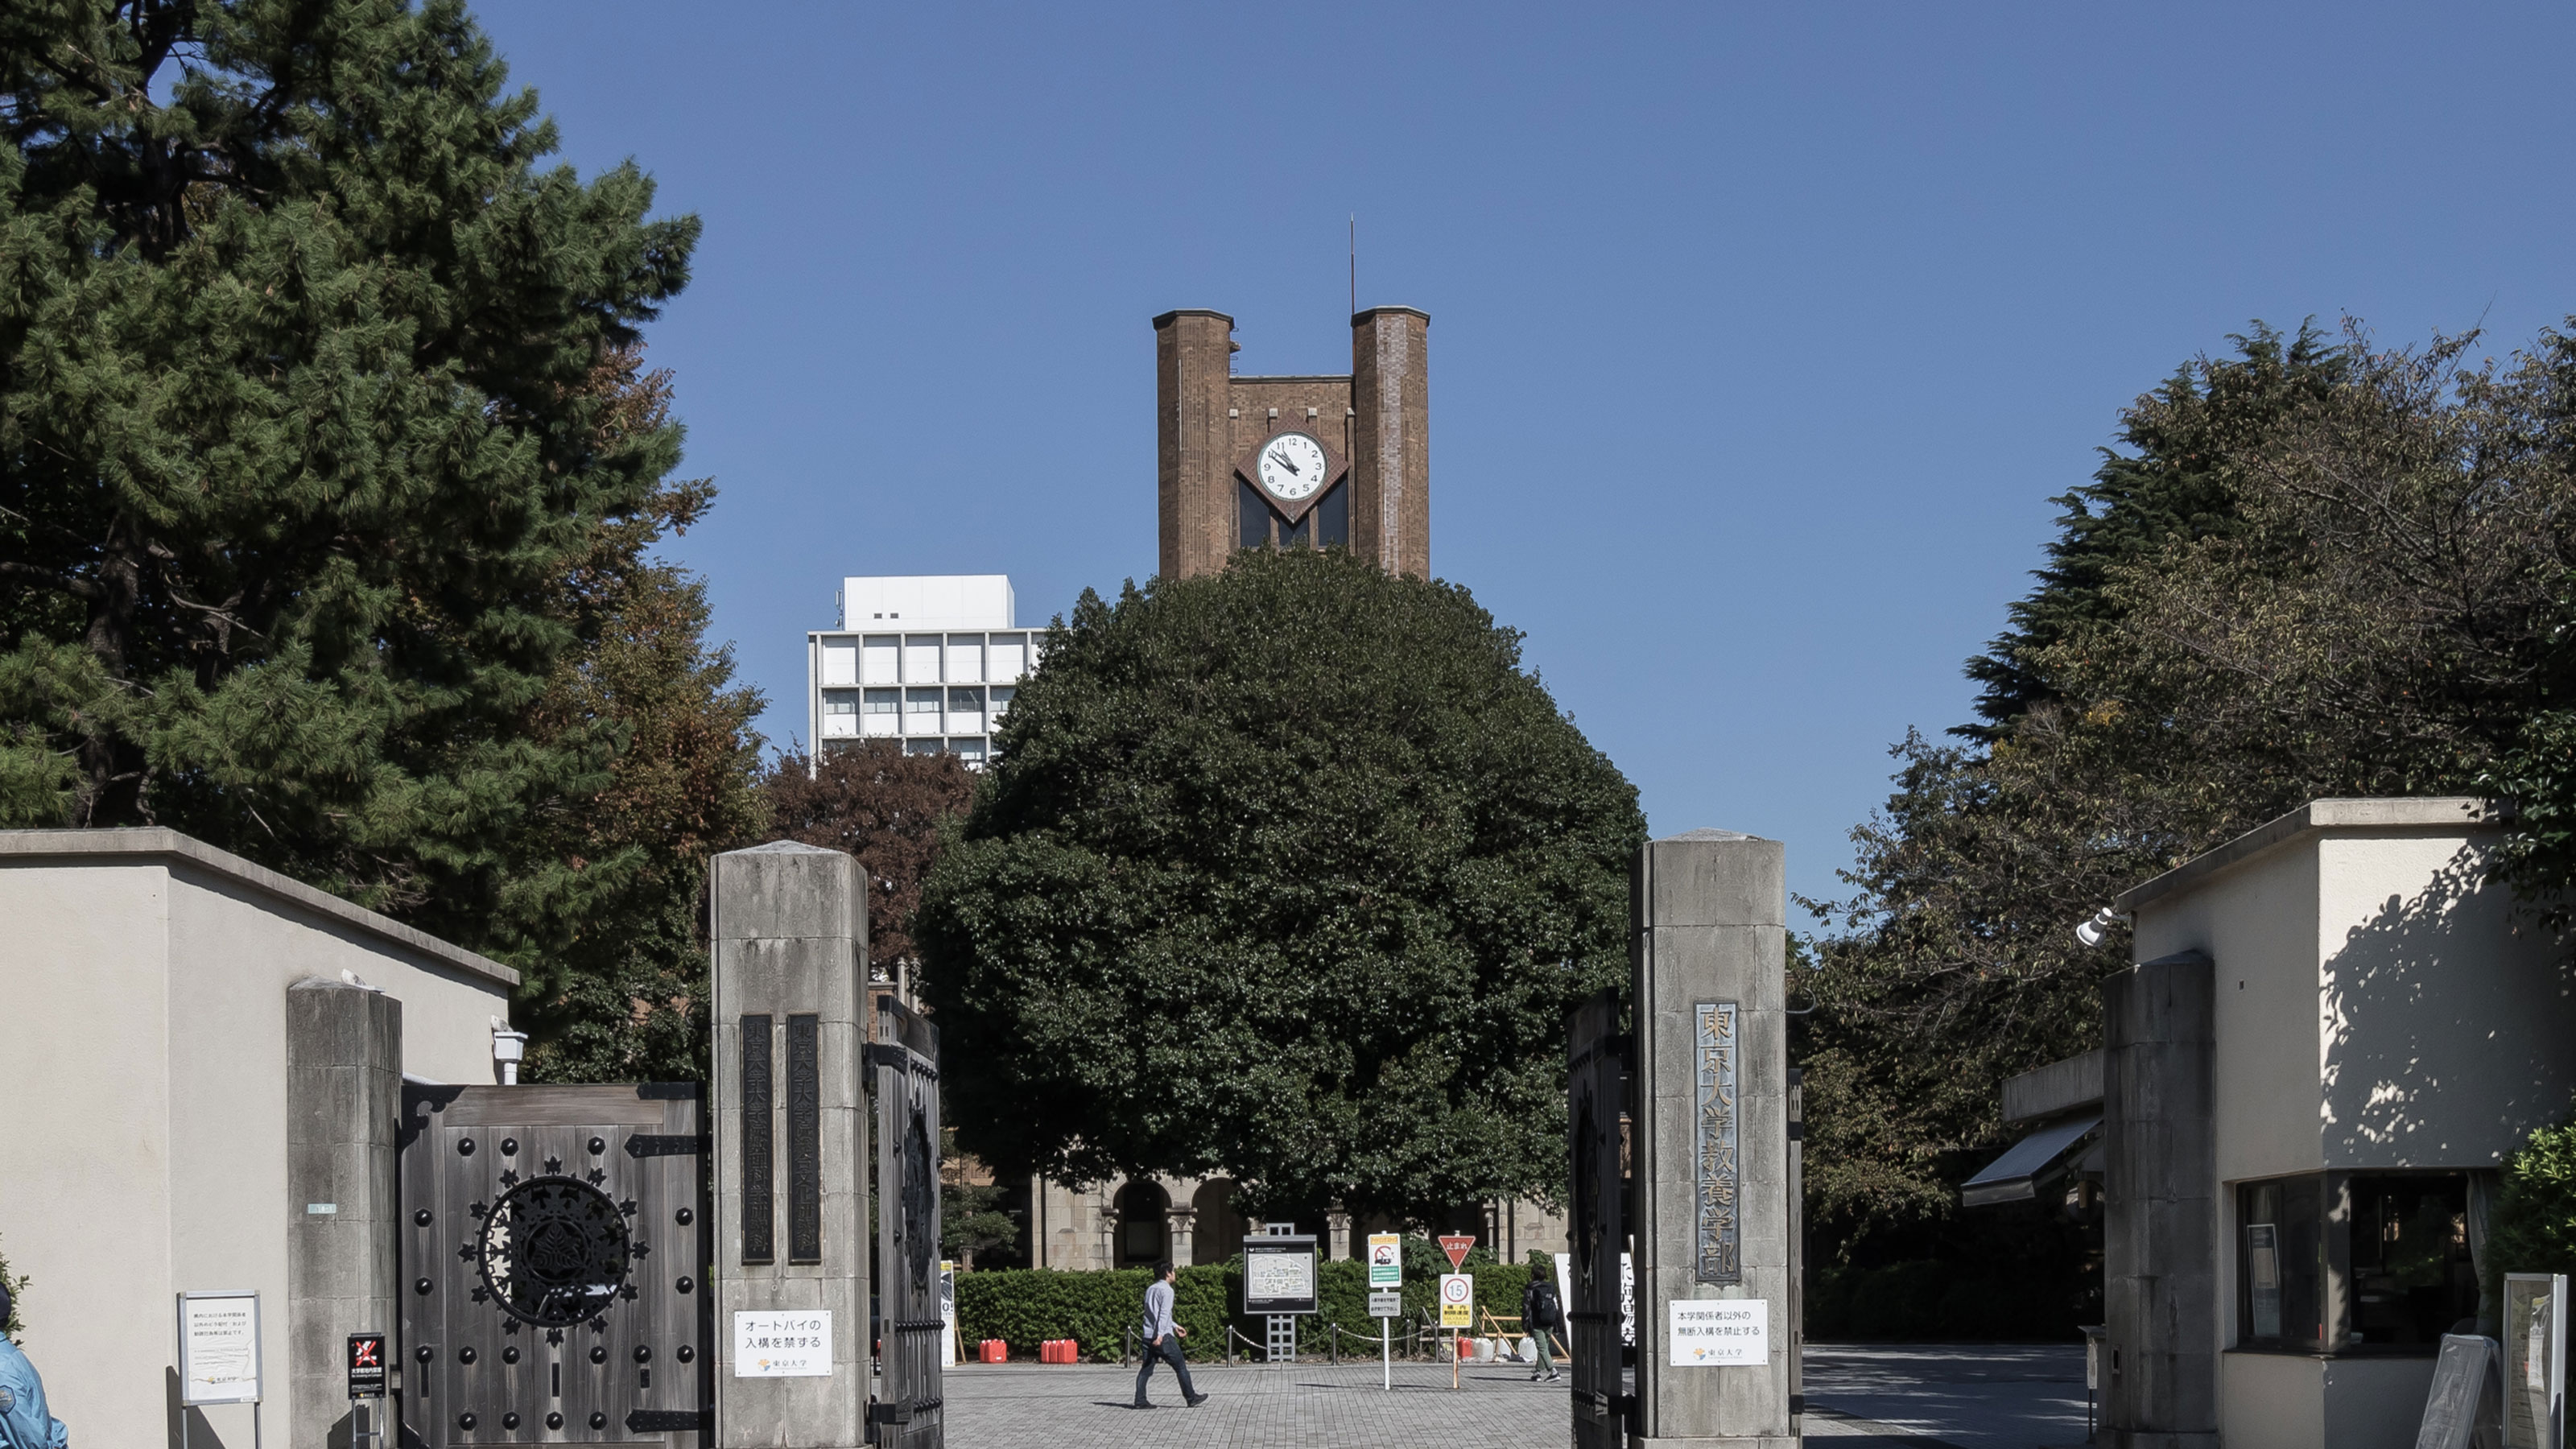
2446, 1020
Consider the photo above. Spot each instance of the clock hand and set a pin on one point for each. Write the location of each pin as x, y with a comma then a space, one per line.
1282, 460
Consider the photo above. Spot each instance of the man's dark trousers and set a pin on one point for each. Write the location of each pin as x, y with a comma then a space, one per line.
1169, 1348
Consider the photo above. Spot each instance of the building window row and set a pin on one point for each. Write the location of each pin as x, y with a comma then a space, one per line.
981, 658
916, 711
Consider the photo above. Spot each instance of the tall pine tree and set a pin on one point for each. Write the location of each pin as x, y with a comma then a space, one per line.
300, 437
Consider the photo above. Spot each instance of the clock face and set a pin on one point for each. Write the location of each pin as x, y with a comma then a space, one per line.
1292, 467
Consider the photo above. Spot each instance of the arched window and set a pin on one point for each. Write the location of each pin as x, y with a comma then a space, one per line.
1141, 1224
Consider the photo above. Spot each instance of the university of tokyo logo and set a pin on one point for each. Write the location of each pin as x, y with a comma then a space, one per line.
555, 1251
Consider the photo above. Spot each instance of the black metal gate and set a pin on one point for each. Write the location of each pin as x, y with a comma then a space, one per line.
1597, 1071
904, 1063
554, 1252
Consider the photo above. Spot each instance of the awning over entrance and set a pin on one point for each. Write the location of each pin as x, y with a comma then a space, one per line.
2014, 1176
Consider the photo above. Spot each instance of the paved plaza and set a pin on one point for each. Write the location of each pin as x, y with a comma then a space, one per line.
1860, 1397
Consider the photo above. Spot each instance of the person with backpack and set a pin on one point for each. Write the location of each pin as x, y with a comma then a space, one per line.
1542, 1315
1163, 1338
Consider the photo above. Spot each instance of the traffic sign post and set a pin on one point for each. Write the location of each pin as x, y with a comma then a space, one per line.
1386, 1298
1457, 1300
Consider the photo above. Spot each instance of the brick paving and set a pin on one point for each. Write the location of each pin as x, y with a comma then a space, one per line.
1282, 1406
1876, 1396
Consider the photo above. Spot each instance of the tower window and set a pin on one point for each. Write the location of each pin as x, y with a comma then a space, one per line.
1252, 517
1332, 518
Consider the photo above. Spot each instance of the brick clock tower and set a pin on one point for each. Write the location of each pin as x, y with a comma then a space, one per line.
1248, 462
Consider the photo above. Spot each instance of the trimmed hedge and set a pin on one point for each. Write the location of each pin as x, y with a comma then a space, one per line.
1026, 1306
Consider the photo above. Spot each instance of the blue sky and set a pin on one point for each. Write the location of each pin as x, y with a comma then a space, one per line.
1761, 337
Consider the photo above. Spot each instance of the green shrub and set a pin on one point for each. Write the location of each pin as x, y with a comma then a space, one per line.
2533, 1226
1027, 1306
15, 1324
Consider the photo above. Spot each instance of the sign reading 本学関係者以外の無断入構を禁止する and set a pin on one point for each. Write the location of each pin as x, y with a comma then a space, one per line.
1719, 1332
219, 1358
782, 1345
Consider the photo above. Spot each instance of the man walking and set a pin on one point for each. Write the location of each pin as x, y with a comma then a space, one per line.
24, 1424
1163, 1338
1542, 1315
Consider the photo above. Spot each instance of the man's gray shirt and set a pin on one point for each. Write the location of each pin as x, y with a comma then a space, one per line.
1158, 1310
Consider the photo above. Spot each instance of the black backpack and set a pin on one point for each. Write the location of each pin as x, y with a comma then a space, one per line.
1547, 1312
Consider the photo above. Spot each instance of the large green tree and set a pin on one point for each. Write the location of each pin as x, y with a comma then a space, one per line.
2317, 568
300, 439
1291, 873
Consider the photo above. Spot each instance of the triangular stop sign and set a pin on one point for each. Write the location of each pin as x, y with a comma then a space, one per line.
1456, 1246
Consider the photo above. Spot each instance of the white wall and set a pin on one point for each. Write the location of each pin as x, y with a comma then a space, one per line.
927, 601
2275, 1401
146, 1118
2449, 1026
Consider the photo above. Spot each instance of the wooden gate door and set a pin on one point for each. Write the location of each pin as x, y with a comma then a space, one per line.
554, 1251
904, 1072
1597, 1081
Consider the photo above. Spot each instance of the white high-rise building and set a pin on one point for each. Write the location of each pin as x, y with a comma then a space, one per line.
931, 660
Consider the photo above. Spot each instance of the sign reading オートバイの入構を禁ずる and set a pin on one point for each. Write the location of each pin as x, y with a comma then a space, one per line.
782, 1345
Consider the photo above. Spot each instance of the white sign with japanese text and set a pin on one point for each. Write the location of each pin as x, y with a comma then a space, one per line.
1719, 1332
219, 1348
791, 1345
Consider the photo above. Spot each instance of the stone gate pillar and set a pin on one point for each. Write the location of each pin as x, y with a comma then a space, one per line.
344, 1101
1717, 1335
791, 1207
2160, 1175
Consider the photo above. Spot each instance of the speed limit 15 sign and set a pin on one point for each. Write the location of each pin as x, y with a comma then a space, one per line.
1457, 1298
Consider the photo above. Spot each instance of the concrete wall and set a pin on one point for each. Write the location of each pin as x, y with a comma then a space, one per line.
146, 1125
2158, 1245
2255, 926
2276, 1401
2446, 1016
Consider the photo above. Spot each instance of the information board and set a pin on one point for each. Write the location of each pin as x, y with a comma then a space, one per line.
219, 1347
1385, 1260
1719, 1332
1386, 1303
1279, 1274
797, 1344
1457, 1300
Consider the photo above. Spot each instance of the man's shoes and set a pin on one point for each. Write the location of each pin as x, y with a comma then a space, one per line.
1195, 1400
1141, 1404
1553, 1377
1535, 1375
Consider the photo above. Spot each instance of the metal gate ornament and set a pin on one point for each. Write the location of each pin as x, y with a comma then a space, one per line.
555, 1251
